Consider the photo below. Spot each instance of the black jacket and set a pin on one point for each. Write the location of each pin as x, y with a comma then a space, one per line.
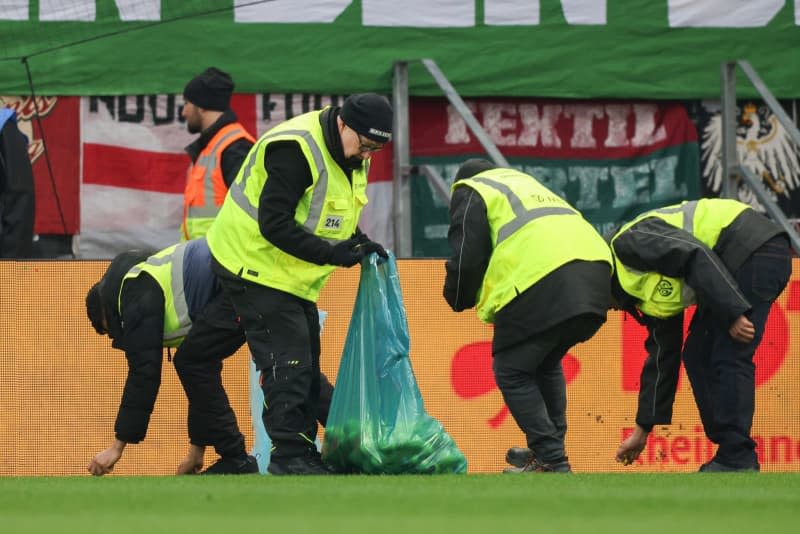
232, 157
135, 320
655, 245
289, 177
574, 289
16, 194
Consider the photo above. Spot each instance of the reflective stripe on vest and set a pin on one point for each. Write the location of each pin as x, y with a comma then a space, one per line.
522, 215
198, 217
209, 162
515, 227
664, 296
329, 209
176, 314
320, 189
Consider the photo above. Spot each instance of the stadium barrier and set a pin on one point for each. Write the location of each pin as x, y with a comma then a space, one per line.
61, 382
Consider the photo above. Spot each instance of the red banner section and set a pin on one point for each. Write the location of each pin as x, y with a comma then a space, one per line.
52, 123
551, 129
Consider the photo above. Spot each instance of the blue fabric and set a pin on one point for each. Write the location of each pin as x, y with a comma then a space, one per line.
199, 281
5, 115
262, 445
377, 421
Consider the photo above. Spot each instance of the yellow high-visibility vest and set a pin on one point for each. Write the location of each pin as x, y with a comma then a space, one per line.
330, 209
534, 232
664, 296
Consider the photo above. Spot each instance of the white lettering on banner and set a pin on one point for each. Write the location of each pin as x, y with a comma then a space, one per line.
292, 11
509, 124
139, 9
15, 10
724, 13
617, 125
583, 116
526, 12
83, 10
424, 13
511, 12
585, 11
150, 123
456, 126
86, 10
419, 13
587, 178
274, 109
646, 132
498, 118
535, 125
590, 187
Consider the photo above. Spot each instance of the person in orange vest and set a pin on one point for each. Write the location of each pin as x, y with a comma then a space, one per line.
216, 154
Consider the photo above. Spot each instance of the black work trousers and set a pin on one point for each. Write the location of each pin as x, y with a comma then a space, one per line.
531, 379
721, 369
283, 333
214, 336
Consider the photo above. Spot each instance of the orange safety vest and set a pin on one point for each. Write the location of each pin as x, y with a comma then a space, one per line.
205, 186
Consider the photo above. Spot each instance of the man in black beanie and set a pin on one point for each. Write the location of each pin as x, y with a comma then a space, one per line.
291, 218
216, 155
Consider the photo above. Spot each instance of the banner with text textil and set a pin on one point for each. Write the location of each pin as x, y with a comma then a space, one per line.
611, 160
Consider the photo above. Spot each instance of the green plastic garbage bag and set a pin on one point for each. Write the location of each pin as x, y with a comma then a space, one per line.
377, 422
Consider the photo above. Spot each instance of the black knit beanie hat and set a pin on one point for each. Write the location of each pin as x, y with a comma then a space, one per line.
474, 166
211, 89
370, 115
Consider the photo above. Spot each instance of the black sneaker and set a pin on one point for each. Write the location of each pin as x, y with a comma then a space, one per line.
535, 466
519, 456
307, 464
233, 466
715, 467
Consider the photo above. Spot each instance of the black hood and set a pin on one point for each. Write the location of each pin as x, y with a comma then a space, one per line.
111, 283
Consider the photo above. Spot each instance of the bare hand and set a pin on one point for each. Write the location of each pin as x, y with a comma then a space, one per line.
193, 462
630, 449
742, 330
103, 462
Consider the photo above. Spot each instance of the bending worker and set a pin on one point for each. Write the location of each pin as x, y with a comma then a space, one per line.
147, 303
535, 268
733, 263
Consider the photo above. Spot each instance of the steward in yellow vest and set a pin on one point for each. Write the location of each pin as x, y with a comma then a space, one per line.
535, 268
290, 218
733, 263
145, 303
216, 154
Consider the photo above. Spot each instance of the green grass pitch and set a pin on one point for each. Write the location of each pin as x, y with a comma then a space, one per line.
449, 504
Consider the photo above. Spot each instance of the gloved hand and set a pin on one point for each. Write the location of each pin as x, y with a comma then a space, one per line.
368, 247
346, 253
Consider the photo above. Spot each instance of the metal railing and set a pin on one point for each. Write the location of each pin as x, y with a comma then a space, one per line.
731, 168
401, 200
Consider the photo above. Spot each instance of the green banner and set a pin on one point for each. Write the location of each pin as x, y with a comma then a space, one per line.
554, 48
607, 193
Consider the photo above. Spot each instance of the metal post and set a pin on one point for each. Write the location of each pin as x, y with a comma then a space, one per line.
730, 159
462, 109
401, 191
769, 204
771, 101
